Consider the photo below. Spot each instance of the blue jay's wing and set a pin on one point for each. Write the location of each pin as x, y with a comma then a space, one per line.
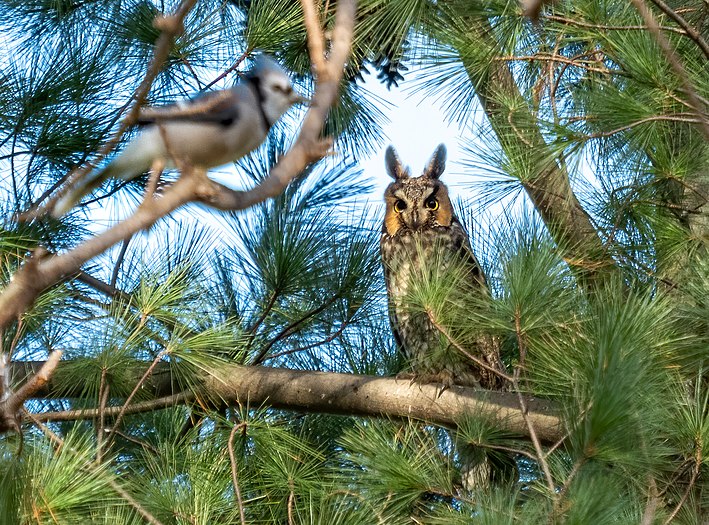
216, 107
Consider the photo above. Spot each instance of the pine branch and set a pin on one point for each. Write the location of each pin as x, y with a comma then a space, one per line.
688, 29
675, 64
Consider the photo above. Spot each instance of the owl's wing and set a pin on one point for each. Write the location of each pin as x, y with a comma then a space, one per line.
488, 347
462, 244
393, 320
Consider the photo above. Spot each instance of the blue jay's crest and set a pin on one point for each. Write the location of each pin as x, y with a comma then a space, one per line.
263, 65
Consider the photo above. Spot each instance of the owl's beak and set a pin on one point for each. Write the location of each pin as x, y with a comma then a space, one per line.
416, 223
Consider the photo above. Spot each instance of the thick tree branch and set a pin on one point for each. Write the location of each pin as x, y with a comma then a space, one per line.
332, 393
547, 182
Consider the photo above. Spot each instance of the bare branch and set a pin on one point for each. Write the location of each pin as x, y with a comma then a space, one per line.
10, 406
333, 393
316, 47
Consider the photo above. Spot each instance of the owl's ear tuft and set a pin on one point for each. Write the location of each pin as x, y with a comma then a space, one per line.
437, 164
393, 165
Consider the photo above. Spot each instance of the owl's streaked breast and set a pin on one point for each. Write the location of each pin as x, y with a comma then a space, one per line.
405, 256
422, 239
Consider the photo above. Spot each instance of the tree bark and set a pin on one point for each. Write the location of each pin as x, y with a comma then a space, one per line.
323, 392
548, 185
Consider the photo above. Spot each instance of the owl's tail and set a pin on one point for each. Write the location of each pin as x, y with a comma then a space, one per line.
474, 468
479, 471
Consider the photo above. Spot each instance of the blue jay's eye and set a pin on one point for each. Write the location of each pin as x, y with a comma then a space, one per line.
286, 90
399, 206
432, 204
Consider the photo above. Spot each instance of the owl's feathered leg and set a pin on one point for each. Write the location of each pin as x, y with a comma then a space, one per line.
443, 379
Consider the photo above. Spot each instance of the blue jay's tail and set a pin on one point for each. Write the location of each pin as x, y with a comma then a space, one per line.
81, 188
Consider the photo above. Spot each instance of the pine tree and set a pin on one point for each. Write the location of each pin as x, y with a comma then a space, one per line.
230, 367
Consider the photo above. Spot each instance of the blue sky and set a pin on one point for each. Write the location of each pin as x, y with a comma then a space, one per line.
417, 125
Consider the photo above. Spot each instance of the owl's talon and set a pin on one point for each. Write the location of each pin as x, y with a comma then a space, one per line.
443, 388
405, 375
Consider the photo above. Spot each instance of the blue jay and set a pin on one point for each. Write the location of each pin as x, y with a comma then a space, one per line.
209, 130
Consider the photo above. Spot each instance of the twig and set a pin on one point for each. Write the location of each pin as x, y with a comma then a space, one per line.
16, 338
155, 172
234, 471
230, 69
675, 64
137, 387
328, 339
135, 408
292, 326
652, 503
603, 27
695, 474
316, 44
541, 458
119, 261
678, 117
689, 30
291, 500
261, 318
103, 399
308, 147
462, 350
572, 475
133, 503
10, 407
139, 442
557, 58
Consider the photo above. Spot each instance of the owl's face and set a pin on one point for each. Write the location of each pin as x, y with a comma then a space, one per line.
416, 203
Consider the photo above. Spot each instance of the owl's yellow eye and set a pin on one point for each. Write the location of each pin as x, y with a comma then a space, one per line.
399, 206
432, 204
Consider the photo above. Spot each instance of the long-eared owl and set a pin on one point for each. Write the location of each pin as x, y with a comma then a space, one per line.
421, 234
